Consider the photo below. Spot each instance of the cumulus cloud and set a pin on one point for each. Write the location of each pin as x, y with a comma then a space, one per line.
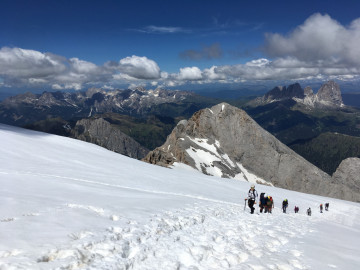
319, 39
21, 67
190, 74
213, 51
139, 67
23, 64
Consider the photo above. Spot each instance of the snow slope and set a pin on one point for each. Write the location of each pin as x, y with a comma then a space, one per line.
66, 204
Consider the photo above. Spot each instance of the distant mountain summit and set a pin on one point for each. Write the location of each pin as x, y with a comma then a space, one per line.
328, 96
283, 92
224, 141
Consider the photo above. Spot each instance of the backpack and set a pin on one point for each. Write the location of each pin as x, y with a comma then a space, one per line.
262, 199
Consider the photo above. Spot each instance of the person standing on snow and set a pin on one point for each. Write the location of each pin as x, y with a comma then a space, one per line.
269, 205
262, 202
252, 195
321, 208
309, 211
285, 205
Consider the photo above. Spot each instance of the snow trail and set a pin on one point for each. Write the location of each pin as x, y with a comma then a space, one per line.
201, 236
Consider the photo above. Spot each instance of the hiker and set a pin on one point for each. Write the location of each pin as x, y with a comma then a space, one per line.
262, 202
296, 209
269, 204
321, 208
309, 211
326, 206
285, 205
252, 195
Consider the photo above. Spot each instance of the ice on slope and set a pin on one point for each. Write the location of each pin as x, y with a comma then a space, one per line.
66, 204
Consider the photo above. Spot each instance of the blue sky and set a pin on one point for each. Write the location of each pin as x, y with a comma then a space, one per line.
79, 44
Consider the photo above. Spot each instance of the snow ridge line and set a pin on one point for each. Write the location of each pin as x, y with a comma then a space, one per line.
124, 187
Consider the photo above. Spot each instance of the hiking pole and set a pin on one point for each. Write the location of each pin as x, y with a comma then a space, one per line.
245, 205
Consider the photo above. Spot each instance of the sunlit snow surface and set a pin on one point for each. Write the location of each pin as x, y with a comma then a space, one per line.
66, 204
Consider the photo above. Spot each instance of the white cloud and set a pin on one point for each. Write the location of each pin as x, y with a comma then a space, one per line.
20, 64
319, 38
81, 66
190, 73
258, 63
210, 74
139, 67
21, 67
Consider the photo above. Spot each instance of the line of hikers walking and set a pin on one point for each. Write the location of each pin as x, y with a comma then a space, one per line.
266, 203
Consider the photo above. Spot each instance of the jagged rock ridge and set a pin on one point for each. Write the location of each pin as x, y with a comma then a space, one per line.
328, 96
225, 141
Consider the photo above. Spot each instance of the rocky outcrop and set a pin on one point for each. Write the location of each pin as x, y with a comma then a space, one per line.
347, 176
329, 94
102, 133
225, 141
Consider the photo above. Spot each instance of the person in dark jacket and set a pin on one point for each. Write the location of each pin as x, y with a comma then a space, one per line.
326, 206
262, 202
285, 205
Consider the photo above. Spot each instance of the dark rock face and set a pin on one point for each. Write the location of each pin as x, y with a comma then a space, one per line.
283, 92
347, 176
101, 132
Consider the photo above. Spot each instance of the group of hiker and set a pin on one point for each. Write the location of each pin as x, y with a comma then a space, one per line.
266, 203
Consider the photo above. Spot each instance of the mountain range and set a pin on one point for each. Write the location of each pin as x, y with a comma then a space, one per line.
28, 108
132, 122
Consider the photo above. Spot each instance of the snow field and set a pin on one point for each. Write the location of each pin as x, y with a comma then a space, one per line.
200, 236
66, 204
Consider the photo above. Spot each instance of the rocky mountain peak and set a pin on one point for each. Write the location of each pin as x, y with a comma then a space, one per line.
329, 93
283, 92
225, 141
